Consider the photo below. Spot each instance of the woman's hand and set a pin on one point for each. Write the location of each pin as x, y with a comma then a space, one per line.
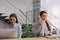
49, 33
41, 22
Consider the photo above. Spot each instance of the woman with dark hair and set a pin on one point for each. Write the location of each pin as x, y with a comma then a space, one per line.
13, 23
43, 27
13, 15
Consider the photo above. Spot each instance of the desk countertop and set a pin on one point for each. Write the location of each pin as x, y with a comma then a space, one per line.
33, 39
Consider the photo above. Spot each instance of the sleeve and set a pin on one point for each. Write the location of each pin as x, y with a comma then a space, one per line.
19, 31
36, 29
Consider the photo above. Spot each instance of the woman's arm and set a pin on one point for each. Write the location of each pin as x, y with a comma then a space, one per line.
19, 31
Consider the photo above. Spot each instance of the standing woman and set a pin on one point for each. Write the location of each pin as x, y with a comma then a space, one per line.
13, 23
43, 27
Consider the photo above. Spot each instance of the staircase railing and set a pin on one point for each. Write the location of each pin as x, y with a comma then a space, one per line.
53, 17
24, 14
19, 11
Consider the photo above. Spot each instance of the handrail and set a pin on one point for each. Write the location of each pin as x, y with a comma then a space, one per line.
52, 14
54, 17
27, 17
57, 30
2, 22
54, 26
14, 7
24, 15
18, 9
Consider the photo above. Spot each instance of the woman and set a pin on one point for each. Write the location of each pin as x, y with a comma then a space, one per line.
43, 28
13, 23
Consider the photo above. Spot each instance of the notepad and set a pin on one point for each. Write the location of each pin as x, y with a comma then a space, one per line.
53, 36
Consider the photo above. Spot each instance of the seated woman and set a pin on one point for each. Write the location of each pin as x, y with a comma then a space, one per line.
42, 27
13, 23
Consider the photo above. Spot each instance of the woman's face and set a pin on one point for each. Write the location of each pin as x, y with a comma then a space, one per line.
12, 20
44, 16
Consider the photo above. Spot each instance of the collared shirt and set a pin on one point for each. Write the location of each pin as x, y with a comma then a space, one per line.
18, 27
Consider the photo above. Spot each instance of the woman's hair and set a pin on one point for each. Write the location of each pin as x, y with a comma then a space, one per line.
42, 12
14, 15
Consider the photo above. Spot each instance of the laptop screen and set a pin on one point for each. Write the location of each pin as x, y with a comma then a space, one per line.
8, 33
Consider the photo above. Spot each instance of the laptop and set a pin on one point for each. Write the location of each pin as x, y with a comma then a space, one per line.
8, 33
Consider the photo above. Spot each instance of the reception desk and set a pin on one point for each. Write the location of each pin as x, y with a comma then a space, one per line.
40, 38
